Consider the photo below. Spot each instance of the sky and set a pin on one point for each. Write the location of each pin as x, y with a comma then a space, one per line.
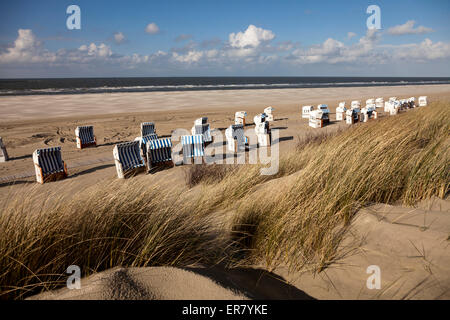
224, 38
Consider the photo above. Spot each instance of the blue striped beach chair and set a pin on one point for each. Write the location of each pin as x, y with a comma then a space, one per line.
159, 153
236, 140
193, 147
3, 154
49, 165
201, 126
128, 159
143, 141
85, 137
147, 128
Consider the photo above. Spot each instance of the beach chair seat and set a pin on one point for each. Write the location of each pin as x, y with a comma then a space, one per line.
306, 110
85, 137
193, 147
49, 165
239, 117
159, 153
128, 159
147, 128
269, 113
423, 101
340, 111
236, 140
3, 153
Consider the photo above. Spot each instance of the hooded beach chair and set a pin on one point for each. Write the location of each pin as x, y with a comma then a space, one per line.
370, 101
269, 113
85, 137
159, 153
3, 154
201, 126
412, 102
352, 116
379, 103
262, 129
340, 111
423, 101
49, 165
236, 140
144, 140
326, 113
316, 119
128, 159
306, 110
356, 104
239, 117
193, 147
147, 128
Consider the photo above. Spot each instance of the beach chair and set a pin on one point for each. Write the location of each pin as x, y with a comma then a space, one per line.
423, 101
394, 108
306, 110
144, 140
262, 129
352, 116
412, 102
239, 117
259, 118
316, 119
379, 103
370, 101
159, 153
3, 153
340, 111
325, 113
49, 165
193, 147
236, 140
201, 126
128, 159
147, 128
269, 113
85, 137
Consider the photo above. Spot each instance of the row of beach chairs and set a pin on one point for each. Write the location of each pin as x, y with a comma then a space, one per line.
148, 151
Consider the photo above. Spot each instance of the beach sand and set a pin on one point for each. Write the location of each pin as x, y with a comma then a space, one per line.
415, 239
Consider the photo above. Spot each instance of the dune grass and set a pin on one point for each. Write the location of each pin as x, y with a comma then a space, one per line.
297, 217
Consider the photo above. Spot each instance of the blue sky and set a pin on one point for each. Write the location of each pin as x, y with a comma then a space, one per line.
201, 38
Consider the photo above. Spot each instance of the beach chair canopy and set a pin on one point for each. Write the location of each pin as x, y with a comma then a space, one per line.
391, 99
370, 101
204, 130
159, 150
412, 99
261, 117
49, 160
193, 146
268, 110
147, 128
200, 121
129, 155
342, 104
379, 100
356, 104
316, 114
323, 108
240, 114
146, 139
86, 134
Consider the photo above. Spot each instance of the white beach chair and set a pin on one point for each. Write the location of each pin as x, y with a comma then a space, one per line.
370, 101
239, 117
262, 130
423, 101
368, 112
326, 113
159, 153
85, 137
128, 159
356, 104
340, 111
317, 119
394, 108
379, 103
236, 140
49, 165
201, 126
352, 116
193, 147
269, 113
412, 102
3, 153
306, 110
147, 128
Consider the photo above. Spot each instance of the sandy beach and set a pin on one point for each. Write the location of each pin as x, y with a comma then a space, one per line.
31, 122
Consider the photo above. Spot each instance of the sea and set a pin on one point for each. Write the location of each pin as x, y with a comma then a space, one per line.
52, 86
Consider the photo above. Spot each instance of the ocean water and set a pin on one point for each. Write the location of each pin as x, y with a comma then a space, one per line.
105, 85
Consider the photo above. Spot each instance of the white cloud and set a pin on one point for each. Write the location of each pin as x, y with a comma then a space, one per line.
408, 28
119, 37
252, 37
190, 57
426, 50
351, 35
152, 28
